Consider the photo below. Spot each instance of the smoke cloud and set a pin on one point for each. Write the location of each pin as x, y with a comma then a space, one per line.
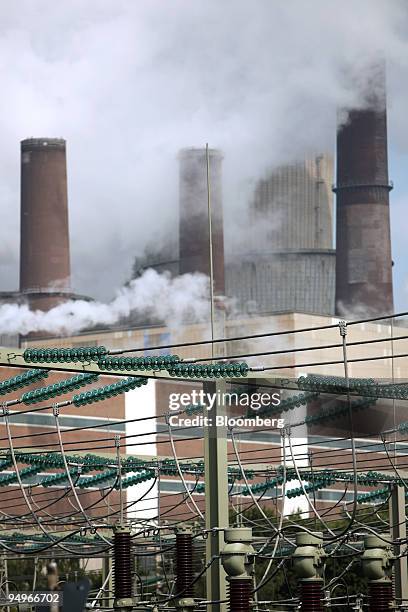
172, 301
130, 83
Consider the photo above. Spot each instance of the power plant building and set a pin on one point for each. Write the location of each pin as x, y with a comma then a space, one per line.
283, 277
287, 263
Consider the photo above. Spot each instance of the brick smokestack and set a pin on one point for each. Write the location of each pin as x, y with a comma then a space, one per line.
45, 273
194, 247
363, 245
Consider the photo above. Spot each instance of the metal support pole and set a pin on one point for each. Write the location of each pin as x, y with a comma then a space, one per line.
216, 491
117, 445
6, 577
107, 574
399, 532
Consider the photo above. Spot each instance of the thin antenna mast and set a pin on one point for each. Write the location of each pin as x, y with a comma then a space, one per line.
211, 250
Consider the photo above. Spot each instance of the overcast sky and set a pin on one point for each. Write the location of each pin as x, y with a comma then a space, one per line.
128, 83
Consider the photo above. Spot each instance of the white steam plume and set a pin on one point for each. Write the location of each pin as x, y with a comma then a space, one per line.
172, 301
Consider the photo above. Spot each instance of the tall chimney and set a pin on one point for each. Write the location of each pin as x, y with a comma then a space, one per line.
194, 249
363, 261
44, 250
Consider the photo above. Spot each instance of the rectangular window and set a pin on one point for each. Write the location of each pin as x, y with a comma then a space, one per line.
153, 340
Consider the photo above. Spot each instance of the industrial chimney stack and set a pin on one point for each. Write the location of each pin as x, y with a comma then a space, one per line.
363, 261
44, 250
194, 247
